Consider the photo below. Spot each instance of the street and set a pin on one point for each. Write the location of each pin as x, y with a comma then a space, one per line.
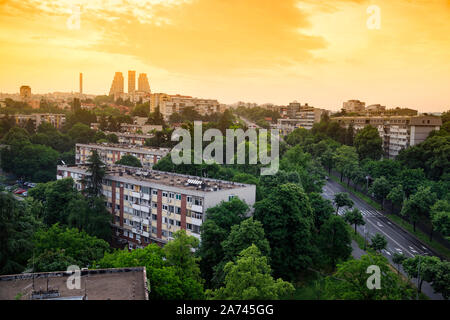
398, 240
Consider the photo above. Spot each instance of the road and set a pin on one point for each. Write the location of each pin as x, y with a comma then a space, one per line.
398, 240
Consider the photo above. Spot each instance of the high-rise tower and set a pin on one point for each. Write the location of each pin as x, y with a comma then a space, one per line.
143, 85
131, 82
117, 85
81, 83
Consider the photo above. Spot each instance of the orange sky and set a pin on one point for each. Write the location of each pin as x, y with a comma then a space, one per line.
319, 52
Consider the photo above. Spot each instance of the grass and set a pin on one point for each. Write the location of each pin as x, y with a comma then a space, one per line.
441, 249
425, 238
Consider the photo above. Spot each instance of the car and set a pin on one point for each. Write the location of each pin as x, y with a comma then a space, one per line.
19, 191
25, 194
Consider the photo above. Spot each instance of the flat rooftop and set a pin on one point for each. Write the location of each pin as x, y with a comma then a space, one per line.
125, 148
165, 178
100, 284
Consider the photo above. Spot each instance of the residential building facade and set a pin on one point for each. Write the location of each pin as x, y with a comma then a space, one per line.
110, 153
397, 132
149, 206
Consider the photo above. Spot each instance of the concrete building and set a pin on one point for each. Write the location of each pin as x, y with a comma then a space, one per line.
81, 83
56, 119
25, 93
117, 85
375, 108
305, 117
110, 153
134, 139
397, 132
149, 206
131, 82
143, 85
354, 106
98, 284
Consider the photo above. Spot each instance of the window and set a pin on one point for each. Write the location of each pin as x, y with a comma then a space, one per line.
231, 197
155, 192
154, 217
171, 222
165, 207
178, 196
178, 223
171, 209
165, 220
177, 210
189, 199
154, 205
188, 226
198, 202
164, 194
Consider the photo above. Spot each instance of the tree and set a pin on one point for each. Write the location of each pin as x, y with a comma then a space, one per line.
288, 223
334, 240
179, 255
156, 117
398, 259
354, 217
69, 245
380, 188
249, 278
368, 143
419, 204
378, 242
81, 133
441, 279
215, 230
322, 209
396, 195
345, 157
440, 217
411, 179
249, 231
327, 159
96, 170
342, 199
421, 267
17, 225
349, 282
129, 160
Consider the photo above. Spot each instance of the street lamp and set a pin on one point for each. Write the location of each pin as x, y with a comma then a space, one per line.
365, 238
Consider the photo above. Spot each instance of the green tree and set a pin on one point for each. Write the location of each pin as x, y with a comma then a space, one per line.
240, 236
342, 199
418, 205
288, 222
440, 217
322, 209
380, 188
70, 245
249, 278
398, 259
345, 157
354, 217
441, 279
129, 160
334, 240
96, 170
421, 267
215, 230
17, 225
349, 282
378, 242
81, 133
368, 143
396, 195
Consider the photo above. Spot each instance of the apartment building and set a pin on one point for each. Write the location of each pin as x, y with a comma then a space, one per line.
306, 117
397, 132
55, 119
126, 138
149, 206
110, 153
354, 106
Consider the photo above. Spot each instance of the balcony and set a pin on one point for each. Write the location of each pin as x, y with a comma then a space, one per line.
197, 208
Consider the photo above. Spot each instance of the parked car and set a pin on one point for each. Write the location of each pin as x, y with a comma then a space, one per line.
19, 191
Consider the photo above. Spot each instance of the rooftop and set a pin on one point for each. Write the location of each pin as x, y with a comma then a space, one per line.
124, 147
187, 182
100, 284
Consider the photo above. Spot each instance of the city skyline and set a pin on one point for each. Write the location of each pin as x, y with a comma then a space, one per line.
245, 51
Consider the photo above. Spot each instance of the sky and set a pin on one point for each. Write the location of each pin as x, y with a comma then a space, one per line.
265, 51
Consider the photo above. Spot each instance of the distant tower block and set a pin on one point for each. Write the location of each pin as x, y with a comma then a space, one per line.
117, 85
131, 82
143, 85
81, 83
25, 93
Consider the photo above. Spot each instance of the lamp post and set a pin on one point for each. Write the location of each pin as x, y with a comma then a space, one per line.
365, 238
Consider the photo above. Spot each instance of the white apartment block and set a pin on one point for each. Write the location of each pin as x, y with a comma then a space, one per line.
149, 206
110, 153
397, 132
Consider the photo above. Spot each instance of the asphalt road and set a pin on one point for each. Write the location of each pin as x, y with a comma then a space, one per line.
398, 240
